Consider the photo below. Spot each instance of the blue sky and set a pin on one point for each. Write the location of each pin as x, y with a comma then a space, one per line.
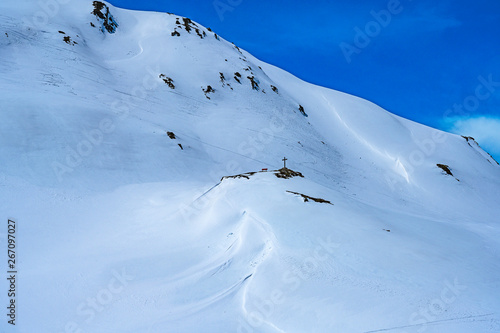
434, 62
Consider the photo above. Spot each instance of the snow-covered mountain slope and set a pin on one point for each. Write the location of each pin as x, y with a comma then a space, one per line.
116, 128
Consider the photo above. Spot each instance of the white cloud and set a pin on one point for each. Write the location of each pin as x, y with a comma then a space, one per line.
486, 131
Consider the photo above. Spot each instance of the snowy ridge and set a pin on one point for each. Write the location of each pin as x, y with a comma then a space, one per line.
115, 132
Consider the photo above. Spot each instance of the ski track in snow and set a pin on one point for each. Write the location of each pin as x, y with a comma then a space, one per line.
436, 322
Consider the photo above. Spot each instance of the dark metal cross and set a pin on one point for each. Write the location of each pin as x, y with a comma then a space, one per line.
284, 161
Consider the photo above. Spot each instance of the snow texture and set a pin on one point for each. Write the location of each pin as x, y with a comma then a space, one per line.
126, 228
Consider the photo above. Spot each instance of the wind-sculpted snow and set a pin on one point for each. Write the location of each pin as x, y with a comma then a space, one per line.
142, 155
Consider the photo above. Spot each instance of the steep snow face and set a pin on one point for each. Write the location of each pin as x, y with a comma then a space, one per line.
116, 128
121, 74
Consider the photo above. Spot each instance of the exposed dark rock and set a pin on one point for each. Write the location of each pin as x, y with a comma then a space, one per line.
301, 109
286, 173
243, 175
208, 90
445, 168
167, 80
101, 11
255, 84
307, 198
237, 77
